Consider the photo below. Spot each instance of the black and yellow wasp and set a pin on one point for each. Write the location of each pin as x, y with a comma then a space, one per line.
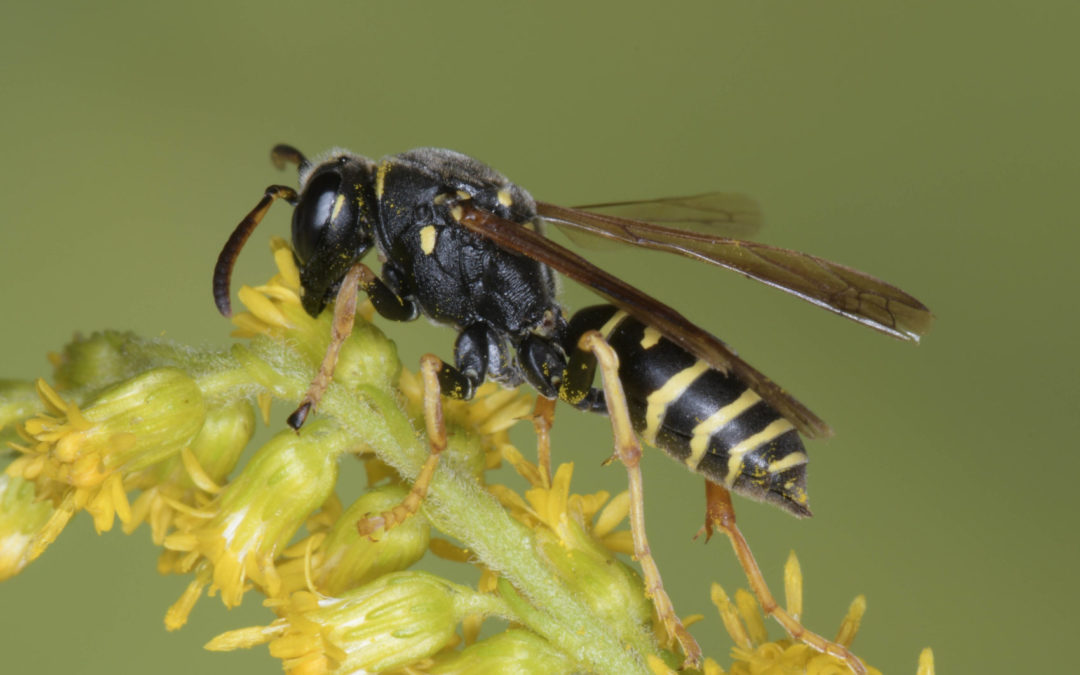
462, 245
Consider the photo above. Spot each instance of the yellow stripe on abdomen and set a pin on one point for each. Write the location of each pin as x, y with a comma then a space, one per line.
657, 402
704, 431
609, 327
766, 435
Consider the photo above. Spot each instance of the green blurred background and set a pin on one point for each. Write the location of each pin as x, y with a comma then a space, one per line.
933, 144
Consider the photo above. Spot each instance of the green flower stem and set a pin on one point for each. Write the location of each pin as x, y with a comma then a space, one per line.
459, 506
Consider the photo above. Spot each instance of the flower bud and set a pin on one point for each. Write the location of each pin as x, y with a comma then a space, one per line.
22, 518
392, 622
367, 357
256, 515
513, 652
80, 458
349, 560
138, 422
93, 362
612, 589
222, 439
198, 471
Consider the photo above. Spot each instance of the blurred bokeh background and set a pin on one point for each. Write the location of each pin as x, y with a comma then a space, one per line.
933, 144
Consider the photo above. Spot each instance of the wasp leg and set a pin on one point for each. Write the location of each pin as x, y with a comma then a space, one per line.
720, 513
344, 315
389, 304
576, 388
543, 419
628, 450
430, 368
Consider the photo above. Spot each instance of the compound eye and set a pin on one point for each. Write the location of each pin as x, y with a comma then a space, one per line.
313, 214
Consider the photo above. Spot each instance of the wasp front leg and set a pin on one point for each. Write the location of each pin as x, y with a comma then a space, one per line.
386, 297
720, 513
344, 316
628, 450
387, 303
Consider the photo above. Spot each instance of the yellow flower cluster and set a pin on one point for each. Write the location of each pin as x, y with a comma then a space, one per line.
142, 431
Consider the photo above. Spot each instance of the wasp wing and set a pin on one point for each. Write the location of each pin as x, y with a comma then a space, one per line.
838, 288
674, 326
726, 214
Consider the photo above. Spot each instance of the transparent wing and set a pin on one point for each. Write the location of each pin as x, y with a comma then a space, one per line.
838, 288
513, 237
721, 214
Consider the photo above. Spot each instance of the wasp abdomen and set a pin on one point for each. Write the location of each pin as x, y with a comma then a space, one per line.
712, 422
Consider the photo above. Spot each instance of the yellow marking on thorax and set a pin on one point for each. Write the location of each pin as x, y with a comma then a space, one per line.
704, 431
338, 203
428, 235
657, 402
766, 435
651, 337
380, 177
608, 328
504, 197
457, 212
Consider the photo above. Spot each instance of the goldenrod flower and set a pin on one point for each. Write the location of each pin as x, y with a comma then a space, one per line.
486, 419
80, 458
250, 523
754, 654
22, 519
394, 621
195, 475
575, 545
568, 516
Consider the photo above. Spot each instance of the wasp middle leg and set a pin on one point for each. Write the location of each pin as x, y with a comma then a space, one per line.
430, 367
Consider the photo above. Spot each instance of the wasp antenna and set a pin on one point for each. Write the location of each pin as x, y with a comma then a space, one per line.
231, 251
283, 154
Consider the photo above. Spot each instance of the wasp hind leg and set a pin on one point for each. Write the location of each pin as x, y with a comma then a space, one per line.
628, 451
719, 513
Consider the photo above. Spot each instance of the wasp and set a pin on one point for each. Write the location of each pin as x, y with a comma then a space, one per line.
464, 246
